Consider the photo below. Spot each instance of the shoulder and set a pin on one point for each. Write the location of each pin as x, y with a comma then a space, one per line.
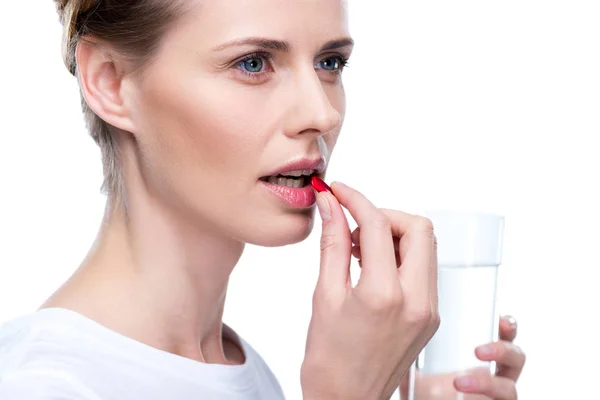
15, 335
20, 378
30, 342
30, 351
43, 385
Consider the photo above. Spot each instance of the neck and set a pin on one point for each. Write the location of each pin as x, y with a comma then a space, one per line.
157, 278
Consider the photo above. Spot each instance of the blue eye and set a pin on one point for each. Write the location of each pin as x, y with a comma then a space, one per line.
332, 63
252, 65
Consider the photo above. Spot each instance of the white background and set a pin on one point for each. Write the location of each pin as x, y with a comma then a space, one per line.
490, 106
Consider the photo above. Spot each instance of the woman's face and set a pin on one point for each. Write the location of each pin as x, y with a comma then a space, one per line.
240, 93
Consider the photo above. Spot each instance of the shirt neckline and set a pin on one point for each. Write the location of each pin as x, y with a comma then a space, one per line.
240, 377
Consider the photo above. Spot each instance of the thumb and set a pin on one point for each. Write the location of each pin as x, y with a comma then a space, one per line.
336, 243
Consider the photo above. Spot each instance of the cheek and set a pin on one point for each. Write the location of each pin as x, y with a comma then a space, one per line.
327, 142
211, 131
199, 132
337, 98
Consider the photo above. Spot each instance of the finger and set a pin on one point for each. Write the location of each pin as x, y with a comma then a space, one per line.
433, 277
508, 328
416, 250
357, 247
356, 254
405, 384
509, 358
335, 244
497, 388
377, 247
355, 236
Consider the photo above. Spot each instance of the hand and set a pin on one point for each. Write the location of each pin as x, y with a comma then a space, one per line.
478, 384
363, 339
510, 361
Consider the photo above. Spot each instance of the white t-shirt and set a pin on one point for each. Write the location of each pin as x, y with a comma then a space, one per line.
58, 354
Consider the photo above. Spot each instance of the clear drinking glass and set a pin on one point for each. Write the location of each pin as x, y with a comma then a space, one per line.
469, 254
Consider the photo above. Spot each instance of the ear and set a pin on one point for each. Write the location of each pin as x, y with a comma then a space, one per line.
101, 72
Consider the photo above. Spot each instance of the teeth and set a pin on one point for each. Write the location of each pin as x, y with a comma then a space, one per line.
289, 182
294, 173
300, 172
294, 179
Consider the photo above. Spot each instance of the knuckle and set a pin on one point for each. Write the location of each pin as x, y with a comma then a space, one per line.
327, 242
435, 321
381, 221
504, 351
420, 314
322, 298
509, 347
318, 296
316, 301
435, 303
518, 349
424, 224
520, 353
391, 214
485, 383
501, 348
384, 301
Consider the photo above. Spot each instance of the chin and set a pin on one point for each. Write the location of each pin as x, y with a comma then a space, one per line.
282, 231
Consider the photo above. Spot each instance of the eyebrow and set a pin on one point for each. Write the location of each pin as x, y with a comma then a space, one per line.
336, 44
280, 45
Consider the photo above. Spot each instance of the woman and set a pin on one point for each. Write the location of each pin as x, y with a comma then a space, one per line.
211, 117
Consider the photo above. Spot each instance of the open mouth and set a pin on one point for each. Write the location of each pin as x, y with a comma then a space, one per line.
294, 179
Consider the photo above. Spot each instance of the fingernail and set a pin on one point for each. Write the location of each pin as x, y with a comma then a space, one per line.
486, 350
466, 382
323, 206
511, 321
336, 183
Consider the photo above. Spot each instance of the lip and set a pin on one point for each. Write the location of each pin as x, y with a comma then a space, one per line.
303, 197
317, 164
293, 197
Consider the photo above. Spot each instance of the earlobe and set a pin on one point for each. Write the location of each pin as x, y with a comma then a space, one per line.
100, 78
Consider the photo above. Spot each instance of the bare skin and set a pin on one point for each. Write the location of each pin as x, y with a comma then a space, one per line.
236, 90
197, 116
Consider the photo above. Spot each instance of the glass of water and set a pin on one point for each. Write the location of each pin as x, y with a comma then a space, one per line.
469, 254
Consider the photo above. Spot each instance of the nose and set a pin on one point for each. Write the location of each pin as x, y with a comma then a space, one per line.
310, 110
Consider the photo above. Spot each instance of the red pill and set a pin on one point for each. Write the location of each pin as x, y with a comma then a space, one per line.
320, 185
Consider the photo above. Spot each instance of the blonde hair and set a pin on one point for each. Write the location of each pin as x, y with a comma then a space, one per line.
132, 27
